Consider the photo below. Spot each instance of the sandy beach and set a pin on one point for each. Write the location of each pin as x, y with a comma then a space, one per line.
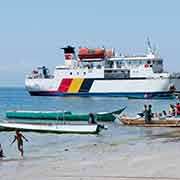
160, 166
155, 159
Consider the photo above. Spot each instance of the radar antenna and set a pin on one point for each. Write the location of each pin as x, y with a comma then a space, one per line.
150, 50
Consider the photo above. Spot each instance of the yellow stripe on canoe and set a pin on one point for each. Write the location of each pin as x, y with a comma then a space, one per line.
75, 85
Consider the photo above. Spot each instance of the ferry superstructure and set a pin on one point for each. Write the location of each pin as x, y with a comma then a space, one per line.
101, 72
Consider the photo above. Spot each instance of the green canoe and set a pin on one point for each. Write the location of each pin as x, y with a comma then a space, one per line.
60, 115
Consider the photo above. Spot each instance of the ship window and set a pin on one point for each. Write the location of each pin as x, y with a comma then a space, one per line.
128, 62
120, 63
145, 62
77, 73
70, 73
109, 64
133, 62
159, 62
136, 62
84, 73
148, 62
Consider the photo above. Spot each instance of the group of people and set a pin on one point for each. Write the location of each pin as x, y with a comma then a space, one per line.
174, 110
19, 139
147, 113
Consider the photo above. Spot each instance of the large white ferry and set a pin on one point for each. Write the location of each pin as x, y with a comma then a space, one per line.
101, 72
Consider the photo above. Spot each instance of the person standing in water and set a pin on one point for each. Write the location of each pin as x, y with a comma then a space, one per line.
19, 138
150, 115
92, 119
177, 109
1, 152
145, 113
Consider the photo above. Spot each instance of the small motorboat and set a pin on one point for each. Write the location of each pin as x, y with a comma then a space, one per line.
52, 128
155, 122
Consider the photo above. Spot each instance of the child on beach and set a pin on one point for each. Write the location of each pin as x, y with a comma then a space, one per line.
19, 138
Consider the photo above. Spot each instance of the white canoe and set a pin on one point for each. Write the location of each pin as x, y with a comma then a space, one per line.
52, 128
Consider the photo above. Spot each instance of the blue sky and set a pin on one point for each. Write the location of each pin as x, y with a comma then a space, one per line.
31, 32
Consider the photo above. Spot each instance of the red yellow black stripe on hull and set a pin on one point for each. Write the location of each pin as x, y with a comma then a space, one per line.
75, 85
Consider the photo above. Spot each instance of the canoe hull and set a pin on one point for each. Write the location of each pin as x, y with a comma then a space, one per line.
139, 122
59, 115
51, 128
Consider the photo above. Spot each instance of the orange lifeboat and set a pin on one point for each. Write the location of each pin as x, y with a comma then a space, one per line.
109, 53
86, 53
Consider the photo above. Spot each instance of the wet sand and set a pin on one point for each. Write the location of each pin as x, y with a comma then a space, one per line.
160, 166
151, 160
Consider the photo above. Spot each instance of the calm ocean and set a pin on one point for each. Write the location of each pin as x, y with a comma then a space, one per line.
41, 146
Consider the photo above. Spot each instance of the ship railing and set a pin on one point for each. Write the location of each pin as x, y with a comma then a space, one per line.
175, 75
39, 76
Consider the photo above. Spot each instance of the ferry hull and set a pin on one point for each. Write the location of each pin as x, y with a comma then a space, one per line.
131, 88
136, 95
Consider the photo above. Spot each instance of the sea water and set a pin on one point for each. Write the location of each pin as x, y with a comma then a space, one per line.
117, 140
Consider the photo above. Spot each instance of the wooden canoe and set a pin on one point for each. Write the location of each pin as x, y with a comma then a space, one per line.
52, 128
139, 122
60, 115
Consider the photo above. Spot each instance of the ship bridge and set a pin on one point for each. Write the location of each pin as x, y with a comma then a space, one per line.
141, 65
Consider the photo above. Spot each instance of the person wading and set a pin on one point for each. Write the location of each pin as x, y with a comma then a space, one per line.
1, 152
92, 119
150, 115
145, 112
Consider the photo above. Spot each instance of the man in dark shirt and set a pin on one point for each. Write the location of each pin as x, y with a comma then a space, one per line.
92, 119
149, 113
145, 112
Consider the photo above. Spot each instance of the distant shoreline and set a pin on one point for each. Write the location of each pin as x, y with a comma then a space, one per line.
17, 87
